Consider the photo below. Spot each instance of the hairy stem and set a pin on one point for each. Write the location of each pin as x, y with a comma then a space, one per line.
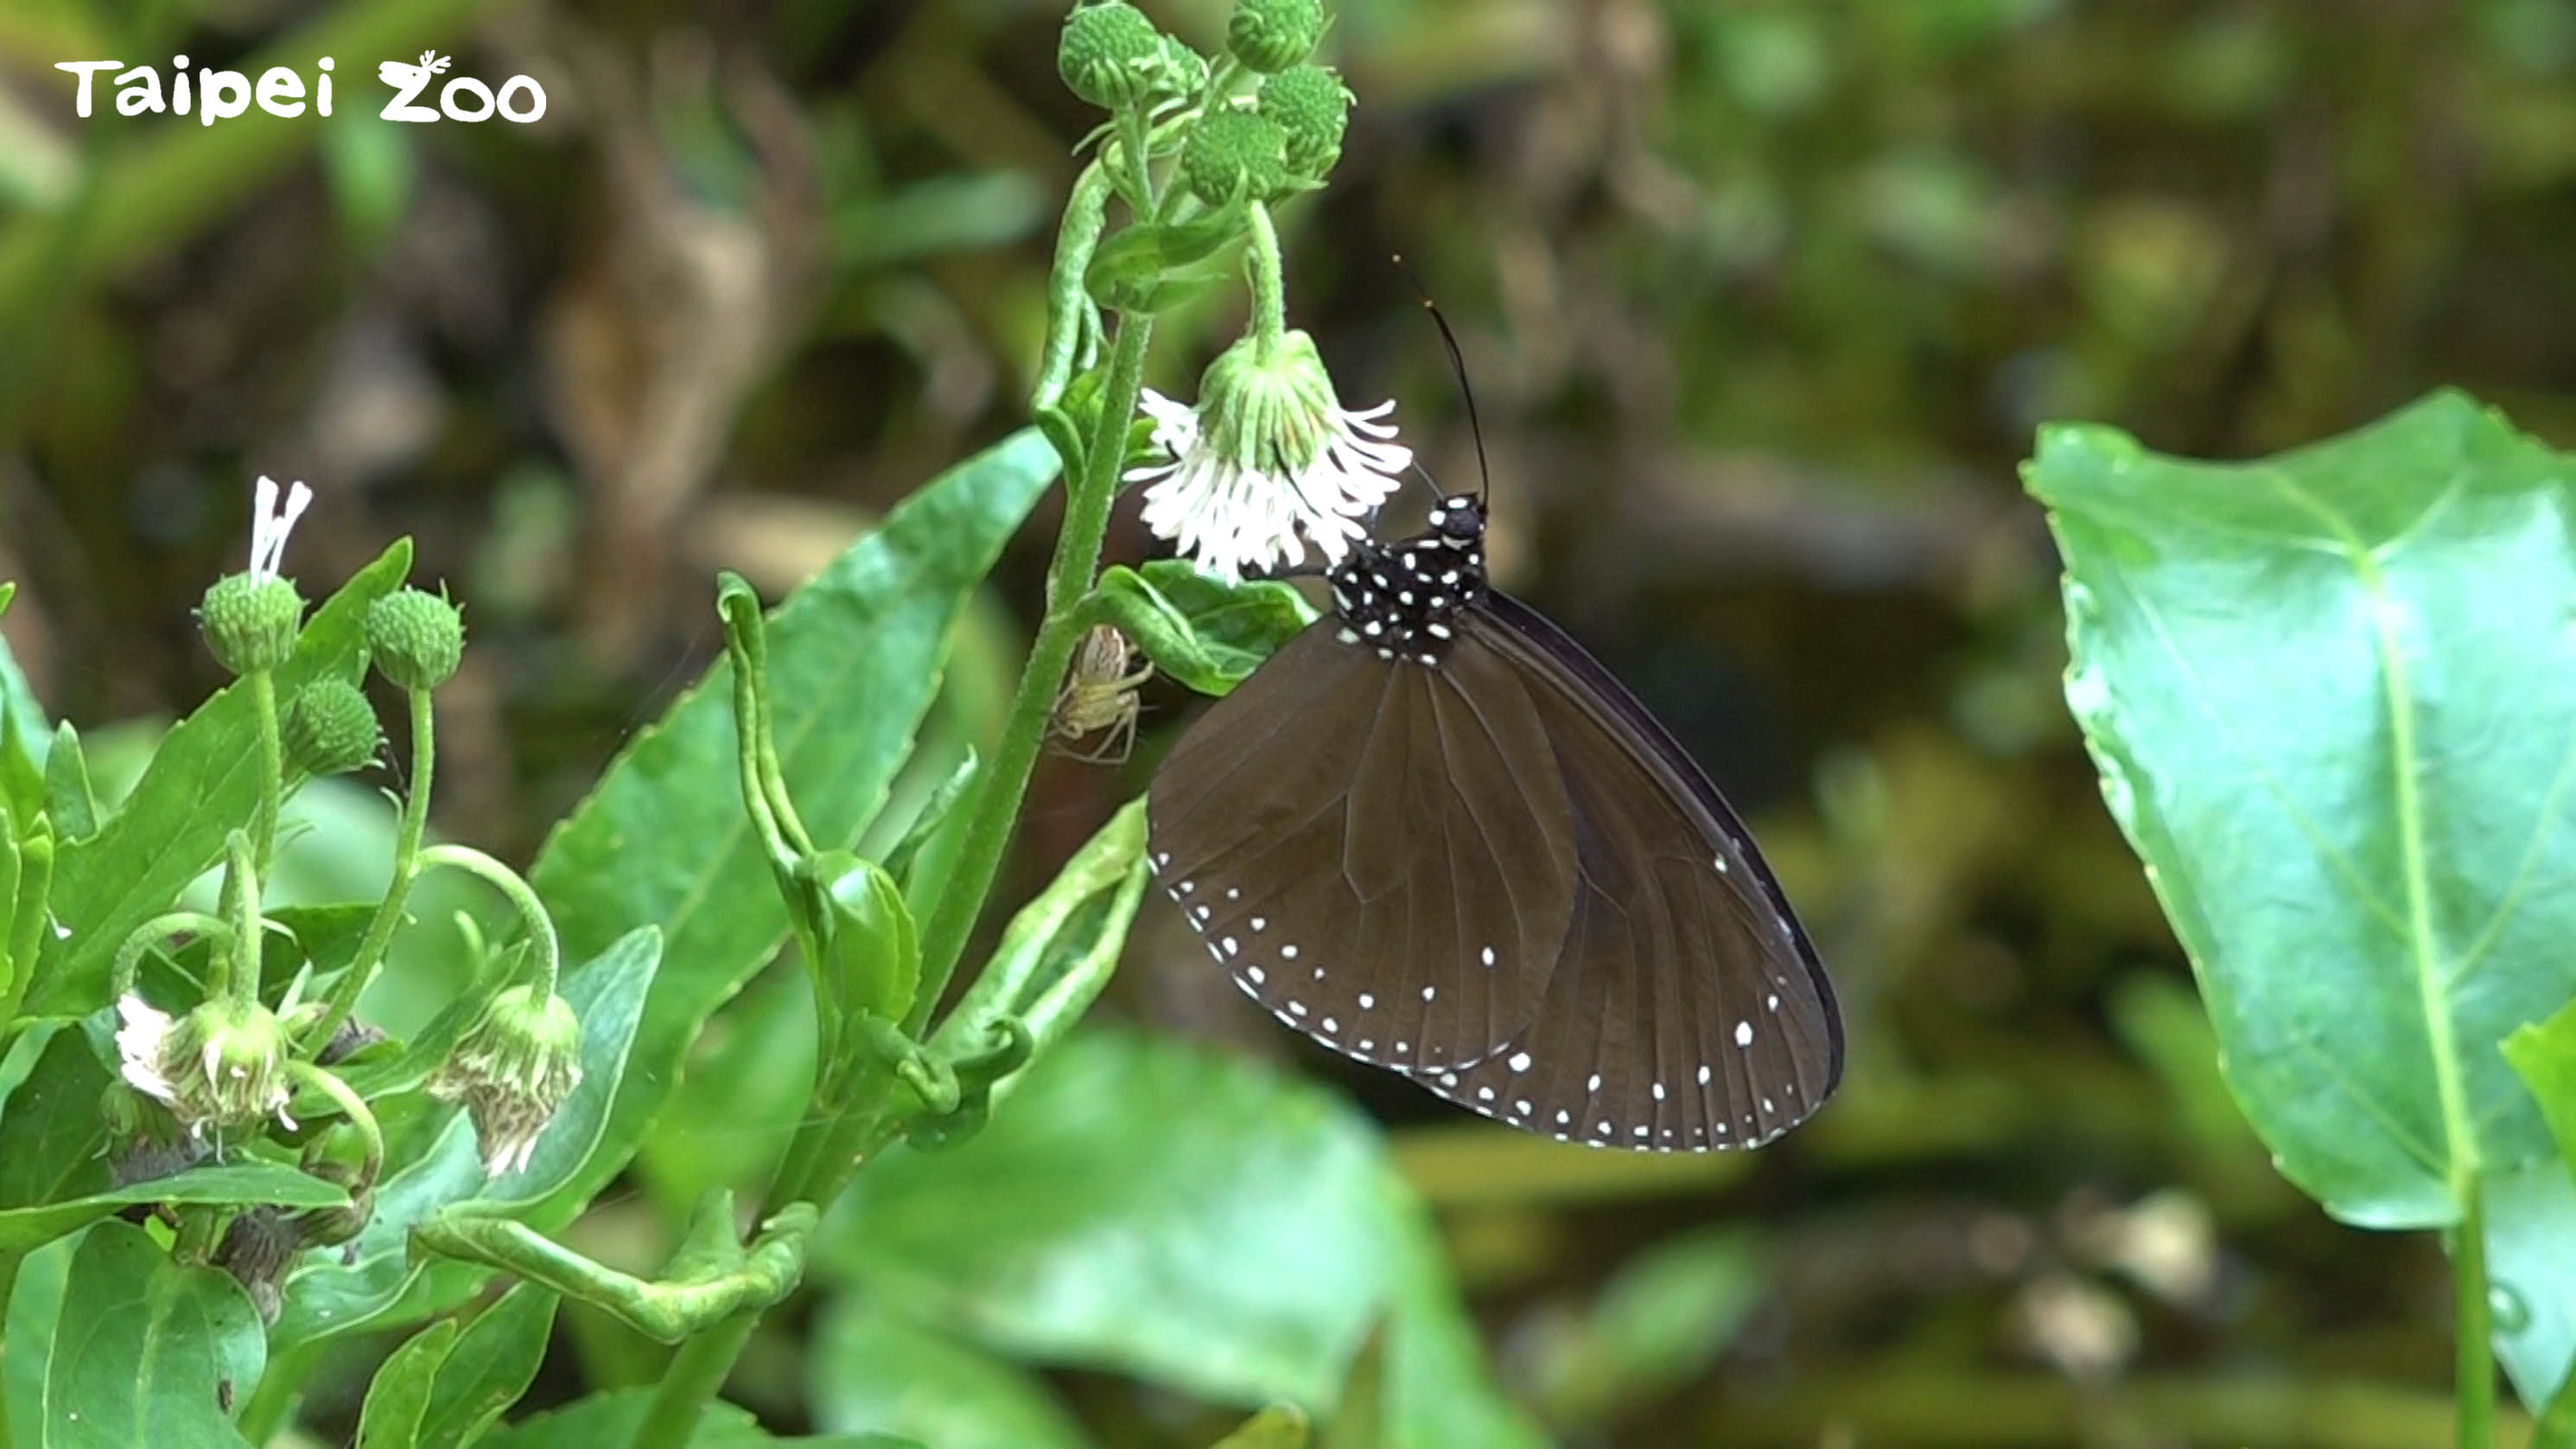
272, 768
389, 912
1006, 780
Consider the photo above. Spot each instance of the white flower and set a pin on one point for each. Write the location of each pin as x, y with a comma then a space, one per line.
220, 1066
270, 524
1268, 462
141, 1037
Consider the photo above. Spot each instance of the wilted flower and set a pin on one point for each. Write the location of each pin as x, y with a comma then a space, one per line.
1267, 462
251, 618
222, 1066
513, 1069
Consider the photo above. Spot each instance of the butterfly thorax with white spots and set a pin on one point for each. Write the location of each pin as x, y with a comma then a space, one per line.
1402, 599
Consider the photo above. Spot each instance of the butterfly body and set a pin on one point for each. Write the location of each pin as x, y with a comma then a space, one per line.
1434, 835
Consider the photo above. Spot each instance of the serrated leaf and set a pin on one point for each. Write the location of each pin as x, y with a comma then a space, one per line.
1151, 1208
146, 1350
372, 1282
2332, 696
202, 783
854, 660
2544, 1053
398, 1396
1153, 266
1241, 625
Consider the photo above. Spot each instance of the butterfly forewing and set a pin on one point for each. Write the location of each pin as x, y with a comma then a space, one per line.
1395, 883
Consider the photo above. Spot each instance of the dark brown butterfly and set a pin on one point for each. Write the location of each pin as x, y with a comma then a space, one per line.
1432, 833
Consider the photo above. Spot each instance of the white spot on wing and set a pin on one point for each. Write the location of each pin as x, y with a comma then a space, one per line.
1744, 1033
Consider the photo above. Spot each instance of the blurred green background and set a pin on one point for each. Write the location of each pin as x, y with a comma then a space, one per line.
1761, 302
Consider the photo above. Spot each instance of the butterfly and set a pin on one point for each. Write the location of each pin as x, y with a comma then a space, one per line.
1435, 835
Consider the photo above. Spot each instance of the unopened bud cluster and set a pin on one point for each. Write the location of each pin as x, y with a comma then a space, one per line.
1281, 140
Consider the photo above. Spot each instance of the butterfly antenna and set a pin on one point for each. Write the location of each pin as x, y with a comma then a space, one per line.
1457, 364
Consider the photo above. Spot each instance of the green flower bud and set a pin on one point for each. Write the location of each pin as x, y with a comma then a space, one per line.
1311, 108
512, 1070
417, 639
1108, 53
1272, 35
330, 728
1233, 154
251, 620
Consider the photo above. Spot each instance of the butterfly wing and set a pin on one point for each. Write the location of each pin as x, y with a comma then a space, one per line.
1380, 853
1687, 1010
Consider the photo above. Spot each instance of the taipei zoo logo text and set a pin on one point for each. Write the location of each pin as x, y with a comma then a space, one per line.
219, 95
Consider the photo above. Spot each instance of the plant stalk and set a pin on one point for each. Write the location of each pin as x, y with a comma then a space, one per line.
2476, 1371
1006, 779
389, 912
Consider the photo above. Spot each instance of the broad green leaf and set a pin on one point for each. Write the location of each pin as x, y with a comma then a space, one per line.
52, 1136
243, 1182
202, 782
854, 659
398, 1396
2333, 701
1200, 1222
2545, 1054
28, 1335
490, 1366
612, 1418
372, 1282
146, 1351
871, 1372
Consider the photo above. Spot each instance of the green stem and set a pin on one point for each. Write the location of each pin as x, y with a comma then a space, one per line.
353, 1107
236, 968
281, 1386
1269, 292
129, 956
532, 912
1006, 781
389, 912
2476, 1372
1135, 152
272, 768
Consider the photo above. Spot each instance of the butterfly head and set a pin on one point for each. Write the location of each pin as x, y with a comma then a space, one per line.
1403, 599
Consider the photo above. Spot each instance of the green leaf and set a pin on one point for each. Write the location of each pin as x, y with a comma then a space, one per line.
612, 1418
2531, 1276
241, 1183
872, 961
1206, 634
2328, 694
1204, 1223
398, 1396
1152, 267
52, 1136
754, 1076
148, 1351
23, 733
2545, 1055
854, 660
372, 1282
871, 1372
202, 783
1058, 952
68, 799
491, 1365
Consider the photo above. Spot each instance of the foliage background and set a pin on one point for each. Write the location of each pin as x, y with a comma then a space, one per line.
1762, 304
